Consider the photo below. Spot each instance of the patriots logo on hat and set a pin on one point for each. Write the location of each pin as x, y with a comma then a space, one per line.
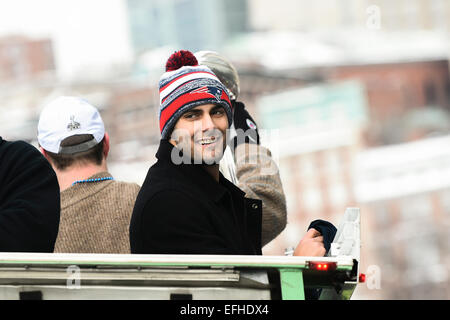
73, 125
213, 91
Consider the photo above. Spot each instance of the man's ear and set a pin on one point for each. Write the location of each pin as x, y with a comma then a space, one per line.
106, 145
175, 137
46, 156
44, 153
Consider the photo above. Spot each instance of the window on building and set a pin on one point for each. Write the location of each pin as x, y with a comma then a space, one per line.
423, 261
307, 166
430, 93
416, 207
444, 198
409, 99
438, 14
333, 163
411, 14
382, 214
421, 249
312, 199
385, 252
47, 49
338, 194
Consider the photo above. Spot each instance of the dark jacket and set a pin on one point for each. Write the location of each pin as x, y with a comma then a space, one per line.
29, 199
181, 209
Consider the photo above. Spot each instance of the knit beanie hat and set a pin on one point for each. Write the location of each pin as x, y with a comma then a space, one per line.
185, 85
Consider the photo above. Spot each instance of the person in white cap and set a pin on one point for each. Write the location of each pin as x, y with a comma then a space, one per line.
95, 209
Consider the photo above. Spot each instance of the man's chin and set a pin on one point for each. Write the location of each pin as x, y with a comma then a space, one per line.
208, 157
212, 160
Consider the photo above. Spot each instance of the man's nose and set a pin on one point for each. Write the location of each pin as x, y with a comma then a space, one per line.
207, 123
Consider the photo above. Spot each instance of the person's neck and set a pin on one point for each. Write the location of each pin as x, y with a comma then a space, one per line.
213, 170
68, 176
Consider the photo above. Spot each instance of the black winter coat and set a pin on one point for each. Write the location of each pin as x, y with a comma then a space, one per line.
29, 199
181, 209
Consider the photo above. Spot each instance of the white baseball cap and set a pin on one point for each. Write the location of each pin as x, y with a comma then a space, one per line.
65, 117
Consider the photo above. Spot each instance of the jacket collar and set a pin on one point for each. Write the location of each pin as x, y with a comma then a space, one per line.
197, 174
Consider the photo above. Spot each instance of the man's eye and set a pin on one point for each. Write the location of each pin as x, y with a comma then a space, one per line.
190, 116
218, 112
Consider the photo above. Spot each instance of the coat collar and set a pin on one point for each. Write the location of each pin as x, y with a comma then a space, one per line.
198, 175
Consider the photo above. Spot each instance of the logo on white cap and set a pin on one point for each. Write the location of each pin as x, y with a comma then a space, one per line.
73, 124
65, 117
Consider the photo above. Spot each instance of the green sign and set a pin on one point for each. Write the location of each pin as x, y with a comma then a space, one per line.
343, 102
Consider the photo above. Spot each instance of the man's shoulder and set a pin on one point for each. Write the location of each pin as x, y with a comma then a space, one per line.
20, 154
109, 192
165, 184
123, 188
126, 189
18, 147
165, 195
126, 185
115, 183
166, 190
161, 177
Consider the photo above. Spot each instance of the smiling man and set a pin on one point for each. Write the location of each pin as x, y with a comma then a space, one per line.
185, 205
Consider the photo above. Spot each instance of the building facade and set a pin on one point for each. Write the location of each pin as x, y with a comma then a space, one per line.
22, 58
185, 24
326, 15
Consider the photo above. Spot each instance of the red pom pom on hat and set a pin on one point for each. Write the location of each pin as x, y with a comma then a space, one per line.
179, 59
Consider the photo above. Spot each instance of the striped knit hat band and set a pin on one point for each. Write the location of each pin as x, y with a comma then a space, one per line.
184, 87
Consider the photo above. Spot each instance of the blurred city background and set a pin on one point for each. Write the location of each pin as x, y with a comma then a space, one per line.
357, 92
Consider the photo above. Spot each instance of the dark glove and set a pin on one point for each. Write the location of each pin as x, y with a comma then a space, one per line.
242, 120
327, 229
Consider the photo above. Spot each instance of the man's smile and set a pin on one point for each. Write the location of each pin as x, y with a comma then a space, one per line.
208, 141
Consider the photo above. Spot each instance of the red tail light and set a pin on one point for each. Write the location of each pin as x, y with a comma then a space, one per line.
362, 278
322, 266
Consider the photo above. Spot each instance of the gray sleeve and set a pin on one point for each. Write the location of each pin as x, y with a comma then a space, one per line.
259, 178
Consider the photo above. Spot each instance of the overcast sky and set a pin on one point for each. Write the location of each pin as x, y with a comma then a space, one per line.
85, 32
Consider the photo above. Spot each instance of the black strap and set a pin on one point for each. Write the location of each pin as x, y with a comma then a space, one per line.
78, 148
